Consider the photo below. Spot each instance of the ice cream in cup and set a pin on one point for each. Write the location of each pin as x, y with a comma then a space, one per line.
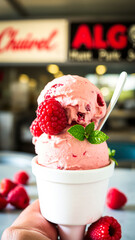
72, 166
72, 199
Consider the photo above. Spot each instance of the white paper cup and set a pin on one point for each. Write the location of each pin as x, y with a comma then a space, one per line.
72, 197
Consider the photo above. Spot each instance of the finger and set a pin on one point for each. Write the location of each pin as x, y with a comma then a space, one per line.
13, 233
32, 219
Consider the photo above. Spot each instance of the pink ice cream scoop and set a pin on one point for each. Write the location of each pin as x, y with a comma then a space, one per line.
63, 151
84, 104
82, 100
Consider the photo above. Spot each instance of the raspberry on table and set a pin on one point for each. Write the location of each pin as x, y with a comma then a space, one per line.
106, 228
18, 197
6, 186
35, 128
115, 199
3, 202
51, 116
21, 177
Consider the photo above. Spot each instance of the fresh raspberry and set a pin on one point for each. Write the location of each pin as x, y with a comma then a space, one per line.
106, 228
52, 116
115, 199
21, 177
6, 186
35, 129
3, 203
18, 197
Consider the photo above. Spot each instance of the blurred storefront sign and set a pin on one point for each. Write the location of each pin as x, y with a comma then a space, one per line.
109, 42
57, 40
33, 41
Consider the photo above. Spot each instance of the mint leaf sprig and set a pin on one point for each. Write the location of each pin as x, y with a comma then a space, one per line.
93, 136
112, 154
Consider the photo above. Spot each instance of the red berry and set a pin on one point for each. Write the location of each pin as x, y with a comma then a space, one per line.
21, 177
18, 197
51, 116
100, 100
6, 186
35, 129
106, 228
3, 203
115, 199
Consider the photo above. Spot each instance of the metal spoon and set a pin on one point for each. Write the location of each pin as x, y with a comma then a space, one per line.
116, 94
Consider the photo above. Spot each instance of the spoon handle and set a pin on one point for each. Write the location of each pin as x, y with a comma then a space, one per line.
116, 94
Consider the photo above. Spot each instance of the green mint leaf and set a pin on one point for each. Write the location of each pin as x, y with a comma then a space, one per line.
89, 129
93, 136
112, 154
114, 160
97, 137
77, 131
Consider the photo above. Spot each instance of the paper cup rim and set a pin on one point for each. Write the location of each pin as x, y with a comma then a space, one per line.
72, 176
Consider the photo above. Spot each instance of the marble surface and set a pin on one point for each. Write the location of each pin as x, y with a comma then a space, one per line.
124, 179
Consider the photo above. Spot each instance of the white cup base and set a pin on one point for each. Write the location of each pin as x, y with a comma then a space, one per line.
71, 232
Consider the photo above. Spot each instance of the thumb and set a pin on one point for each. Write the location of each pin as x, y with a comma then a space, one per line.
31, 219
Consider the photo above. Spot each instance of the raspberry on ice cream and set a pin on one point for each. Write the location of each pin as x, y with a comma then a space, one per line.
51, 116
35, 128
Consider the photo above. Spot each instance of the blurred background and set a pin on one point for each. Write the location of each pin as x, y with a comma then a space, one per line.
41, 40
